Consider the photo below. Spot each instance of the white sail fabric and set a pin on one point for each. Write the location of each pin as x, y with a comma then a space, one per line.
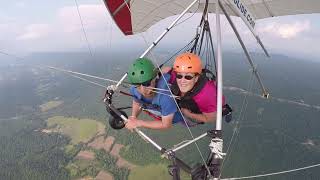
139, 15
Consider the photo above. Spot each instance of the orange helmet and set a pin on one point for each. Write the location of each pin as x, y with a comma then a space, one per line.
187, 63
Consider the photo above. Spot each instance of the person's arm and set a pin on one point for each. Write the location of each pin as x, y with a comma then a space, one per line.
136, 109
203, 117
165, 123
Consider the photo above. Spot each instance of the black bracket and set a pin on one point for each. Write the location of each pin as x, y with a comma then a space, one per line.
174, 169
108, 97
115, 120
214, 133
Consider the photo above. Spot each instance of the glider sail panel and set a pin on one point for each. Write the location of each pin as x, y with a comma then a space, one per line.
144, 13
120, 13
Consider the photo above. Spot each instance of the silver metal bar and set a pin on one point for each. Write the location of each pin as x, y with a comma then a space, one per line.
189, 142
168, 29
219, 70
144, 136
264, 91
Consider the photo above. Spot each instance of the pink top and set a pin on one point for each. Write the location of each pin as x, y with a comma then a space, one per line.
206, 99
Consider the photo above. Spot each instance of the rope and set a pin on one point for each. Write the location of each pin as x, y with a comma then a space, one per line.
275, 173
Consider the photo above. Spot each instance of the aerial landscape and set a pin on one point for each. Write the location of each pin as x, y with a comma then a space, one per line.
54, 124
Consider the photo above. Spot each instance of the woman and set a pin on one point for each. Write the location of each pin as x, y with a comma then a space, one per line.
198, 95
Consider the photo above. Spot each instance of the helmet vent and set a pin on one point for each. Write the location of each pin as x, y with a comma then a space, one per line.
141, 72
189, 67
189, 57
132, 73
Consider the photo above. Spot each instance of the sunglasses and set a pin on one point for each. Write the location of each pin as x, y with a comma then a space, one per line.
187, 77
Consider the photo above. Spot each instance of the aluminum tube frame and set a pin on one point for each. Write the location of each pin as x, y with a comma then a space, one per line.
219, 70
189, 142
264, 91
144, 136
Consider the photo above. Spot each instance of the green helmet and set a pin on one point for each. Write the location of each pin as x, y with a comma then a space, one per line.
142, 70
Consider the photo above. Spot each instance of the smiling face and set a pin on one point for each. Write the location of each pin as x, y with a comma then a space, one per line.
186, 81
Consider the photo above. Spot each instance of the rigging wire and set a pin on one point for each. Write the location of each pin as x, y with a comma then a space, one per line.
196, 144
82, 74
87, 75
275, 173
185, 48
92, 82
97, 77
83, 29
189, 16
237, 127
72, 73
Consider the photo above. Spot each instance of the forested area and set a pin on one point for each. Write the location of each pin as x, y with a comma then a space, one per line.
108, 163
269, 129
31, 155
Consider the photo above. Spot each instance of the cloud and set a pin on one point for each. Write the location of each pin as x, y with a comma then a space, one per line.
286, 31
20, 4
93, 16
63, 32
34, 31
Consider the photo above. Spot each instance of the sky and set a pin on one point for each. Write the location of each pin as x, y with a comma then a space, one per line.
28, 26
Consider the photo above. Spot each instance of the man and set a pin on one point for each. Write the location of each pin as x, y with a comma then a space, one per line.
144, 75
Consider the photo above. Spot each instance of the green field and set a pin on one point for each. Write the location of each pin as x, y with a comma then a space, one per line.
79, 130
50, 105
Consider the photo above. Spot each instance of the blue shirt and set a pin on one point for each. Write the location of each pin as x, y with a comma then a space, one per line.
162, 104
